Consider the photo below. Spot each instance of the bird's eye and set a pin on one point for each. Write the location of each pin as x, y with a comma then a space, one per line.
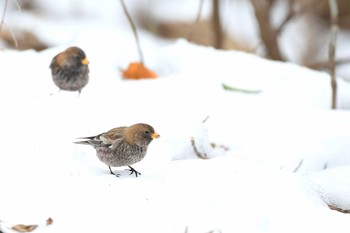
146, 132
77, 58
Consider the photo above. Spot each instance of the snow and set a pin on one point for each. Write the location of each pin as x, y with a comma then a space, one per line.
251, 181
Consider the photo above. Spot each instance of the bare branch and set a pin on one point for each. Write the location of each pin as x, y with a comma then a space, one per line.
18, 6
199, 155
15, 41
205, 119
325, 64
134, 30
217, 28
299, 165
268, 34
332, 48
200, 8
3, 14
306, 7
291, 13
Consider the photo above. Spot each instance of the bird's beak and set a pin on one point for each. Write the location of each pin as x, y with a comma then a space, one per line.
155, 135
85, 61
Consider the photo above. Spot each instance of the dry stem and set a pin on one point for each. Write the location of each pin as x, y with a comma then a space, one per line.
199, 155
2, 22
3, 15
218, 33
268, 34
306, 7
134, 30
299, 165
325, 64
291, 13
200, 8
332, 49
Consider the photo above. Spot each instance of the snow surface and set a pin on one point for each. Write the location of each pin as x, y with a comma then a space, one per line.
281, 155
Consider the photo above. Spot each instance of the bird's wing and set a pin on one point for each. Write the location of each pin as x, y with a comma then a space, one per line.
113, 135
106, 139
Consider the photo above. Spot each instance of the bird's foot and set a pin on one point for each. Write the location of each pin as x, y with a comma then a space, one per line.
132, 170
117, 175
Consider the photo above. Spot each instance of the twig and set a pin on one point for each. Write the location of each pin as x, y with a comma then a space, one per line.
205, 119
299, 165
200, 8
3, 14
291, 13
326, 65
268, 34
332, 49
308, 6
199, 155
218, 33
15, 41
18, 6
2, 22
134, 31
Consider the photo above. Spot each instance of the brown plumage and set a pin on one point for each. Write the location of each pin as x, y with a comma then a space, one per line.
122, 146
69, 69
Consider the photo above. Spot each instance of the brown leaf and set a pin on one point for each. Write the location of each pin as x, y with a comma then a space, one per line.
24, 228
49, 221
344, 211
137, 70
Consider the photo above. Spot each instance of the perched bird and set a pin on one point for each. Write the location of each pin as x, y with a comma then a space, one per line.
69, 69
122, 146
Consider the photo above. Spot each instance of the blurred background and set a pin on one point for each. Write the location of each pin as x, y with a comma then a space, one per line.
295, 31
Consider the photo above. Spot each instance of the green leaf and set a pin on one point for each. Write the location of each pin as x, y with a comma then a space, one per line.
230, 88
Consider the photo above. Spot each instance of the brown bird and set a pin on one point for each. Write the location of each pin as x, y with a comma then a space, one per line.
69, 69
122, 146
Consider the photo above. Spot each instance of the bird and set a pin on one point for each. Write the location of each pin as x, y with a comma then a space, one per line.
122, 146
70, 70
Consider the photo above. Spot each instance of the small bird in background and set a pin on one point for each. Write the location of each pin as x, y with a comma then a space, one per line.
69, 69
122, 146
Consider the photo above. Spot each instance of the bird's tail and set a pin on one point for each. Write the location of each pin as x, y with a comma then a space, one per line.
82, 142
85, 140
92, 141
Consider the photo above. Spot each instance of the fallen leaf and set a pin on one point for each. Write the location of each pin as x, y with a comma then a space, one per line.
49, 221
24, 228
344, 211
230, 88
137, 70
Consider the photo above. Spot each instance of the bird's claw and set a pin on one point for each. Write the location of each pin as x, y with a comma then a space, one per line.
112, 173
132, 170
